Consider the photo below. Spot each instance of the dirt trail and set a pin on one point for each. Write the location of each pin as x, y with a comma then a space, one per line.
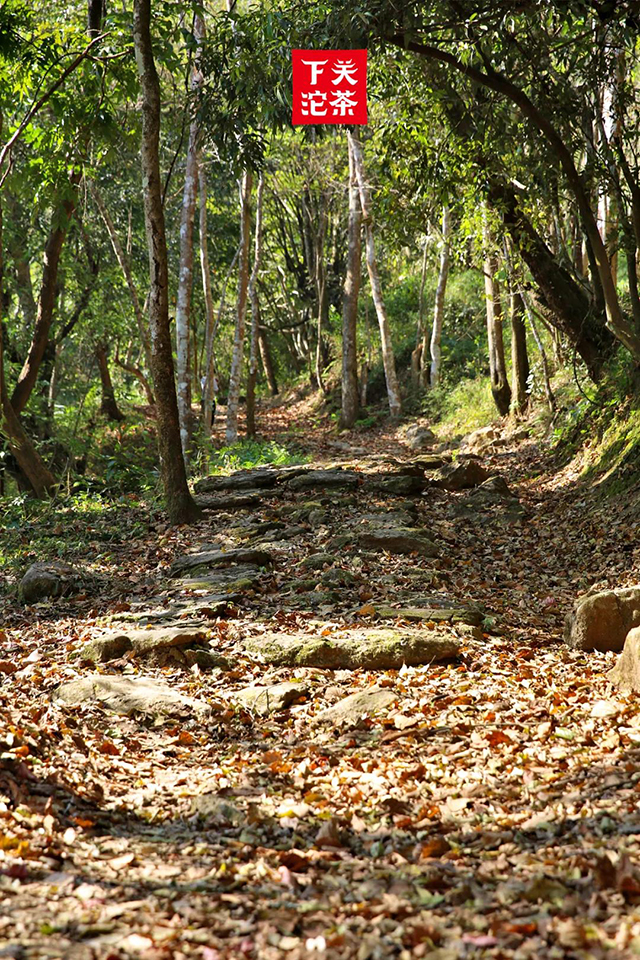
481, 806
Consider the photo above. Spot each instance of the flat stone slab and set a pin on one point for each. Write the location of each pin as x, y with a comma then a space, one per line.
468, 615
325, 480
237, 501
116, 643
127, 695
220, 558
246, 480
272, 698
382, 648
364, 703
397, 484
226, 582
402, 540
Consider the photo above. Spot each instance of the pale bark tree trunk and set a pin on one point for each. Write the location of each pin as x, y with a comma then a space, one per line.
255, 315
267, 362
180, 505
235, 374
125, 267
546, 378
321, 288
108, 406
349, 410
388, 359
438, 310
418, 357
185, 270
497, 365
210, 364
29, 460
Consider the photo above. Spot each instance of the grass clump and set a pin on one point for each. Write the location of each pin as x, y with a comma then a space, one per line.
247, 454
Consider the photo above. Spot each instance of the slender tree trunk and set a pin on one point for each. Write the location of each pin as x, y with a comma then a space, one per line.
29, 460
255, 315
519, 356
497, 364
209, 366
267, 362
185, 271
321, 289
419, 368
180, 505
551, 400
108, 407
46, 301
235, 374
388, 359
349, 411
125, 267
438, 310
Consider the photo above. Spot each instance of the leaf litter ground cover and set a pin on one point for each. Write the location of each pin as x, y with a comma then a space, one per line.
483, 807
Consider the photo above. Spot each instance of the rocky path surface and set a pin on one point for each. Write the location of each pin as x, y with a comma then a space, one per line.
335, 719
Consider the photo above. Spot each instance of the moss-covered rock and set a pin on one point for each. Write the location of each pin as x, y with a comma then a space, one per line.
384, 648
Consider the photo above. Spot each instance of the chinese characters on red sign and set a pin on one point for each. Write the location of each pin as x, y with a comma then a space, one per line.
329, 86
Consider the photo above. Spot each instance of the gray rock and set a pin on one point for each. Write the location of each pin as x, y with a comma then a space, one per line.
206, 659
45, 580
238, 501
248, 480
316, 561
383, 648
364, 703
480, 438
471, 616
602, 621
495, 488
402, 540
332, 479
338, 577
394, 484
272, 698
418, 437
219, 558
210, 806
460, 476
227, 581
127, 695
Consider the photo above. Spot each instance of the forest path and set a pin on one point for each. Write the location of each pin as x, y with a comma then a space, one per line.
481, 806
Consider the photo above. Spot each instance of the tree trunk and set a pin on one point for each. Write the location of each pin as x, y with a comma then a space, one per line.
438, 310
255, 315
497, 364
419, 367
349, 410
29, 460
185, 271
551, 400
208, 393
108, 407
125, 266
568, 303
235, 374
267, 362
180, 505
321, 289
519, 356
388, 359
46, 301
139, 375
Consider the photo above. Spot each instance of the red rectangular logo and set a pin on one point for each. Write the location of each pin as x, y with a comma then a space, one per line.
329, 86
